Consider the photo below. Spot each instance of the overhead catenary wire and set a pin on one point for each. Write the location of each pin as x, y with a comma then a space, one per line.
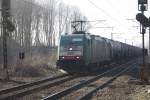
107, 14
89, 21
113, 7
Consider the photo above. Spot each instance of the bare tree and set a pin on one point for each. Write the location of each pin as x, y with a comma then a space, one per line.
22, 18
41, 24
49, 21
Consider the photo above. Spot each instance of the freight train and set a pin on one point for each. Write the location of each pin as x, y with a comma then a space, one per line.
80, 52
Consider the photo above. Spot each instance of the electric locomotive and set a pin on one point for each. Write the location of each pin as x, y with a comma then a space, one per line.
73, 51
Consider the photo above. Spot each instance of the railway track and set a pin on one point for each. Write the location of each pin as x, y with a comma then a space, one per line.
12, 93
103, 85
71, 90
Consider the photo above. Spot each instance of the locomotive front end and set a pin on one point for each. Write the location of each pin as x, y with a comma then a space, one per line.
70, 52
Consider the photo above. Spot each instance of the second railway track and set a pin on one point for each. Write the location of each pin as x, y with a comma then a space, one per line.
97, 87
12, 93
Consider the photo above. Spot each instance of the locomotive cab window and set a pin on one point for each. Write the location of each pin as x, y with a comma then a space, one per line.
69, 40
71, 45
77, 39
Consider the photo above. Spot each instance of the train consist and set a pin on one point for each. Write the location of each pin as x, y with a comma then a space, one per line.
81, 51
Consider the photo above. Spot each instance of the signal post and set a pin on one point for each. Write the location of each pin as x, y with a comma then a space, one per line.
5, 15
144, 22
7, 27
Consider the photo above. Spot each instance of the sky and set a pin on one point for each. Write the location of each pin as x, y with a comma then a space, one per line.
119, 14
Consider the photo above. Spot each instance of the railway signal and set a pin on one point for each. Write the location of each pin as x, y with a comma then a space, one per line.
143, 19
142, 5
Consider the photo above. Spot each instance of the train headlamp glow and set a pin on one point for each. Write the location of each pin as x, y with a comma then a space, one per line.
63, 57
77, 57
70, 49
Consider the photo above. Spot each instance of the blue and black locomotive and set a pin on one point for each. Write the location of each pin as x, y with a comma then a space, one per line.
82, 51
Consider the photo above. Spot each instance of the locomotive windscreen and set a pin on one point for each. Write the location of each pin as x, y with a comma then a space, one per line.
71, 46
71, 40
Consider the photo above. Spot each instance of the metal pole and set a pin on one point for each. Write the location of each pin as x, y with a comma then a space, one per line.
112, 36
143, 32
149, 45
81, 25
5, 11
5, 49
144, 70
143, 46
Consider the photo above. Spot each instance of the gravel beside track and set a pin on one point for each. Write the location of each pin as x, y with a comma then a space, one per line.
87, 89
114, 73
120, 89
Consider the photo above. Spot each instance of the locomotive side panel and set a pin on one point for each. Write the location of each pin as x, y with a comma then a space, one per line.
87, 50
98, 46
93, 49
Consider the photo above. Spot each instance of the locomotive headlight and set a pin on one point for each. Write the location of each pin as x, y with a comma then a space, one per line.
63, 57
77, 57
70, 49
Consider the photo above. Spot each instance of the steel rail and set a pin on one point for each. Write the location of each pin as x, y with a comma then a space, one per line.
7, 94
90, 94
62, 93
27, 84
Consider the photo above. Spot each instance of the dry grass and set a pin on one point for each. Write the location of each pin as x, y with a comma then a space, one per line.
35, 66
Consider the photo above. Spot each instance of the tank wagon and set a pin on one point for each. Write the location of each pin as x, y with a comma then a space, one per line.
81, 51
